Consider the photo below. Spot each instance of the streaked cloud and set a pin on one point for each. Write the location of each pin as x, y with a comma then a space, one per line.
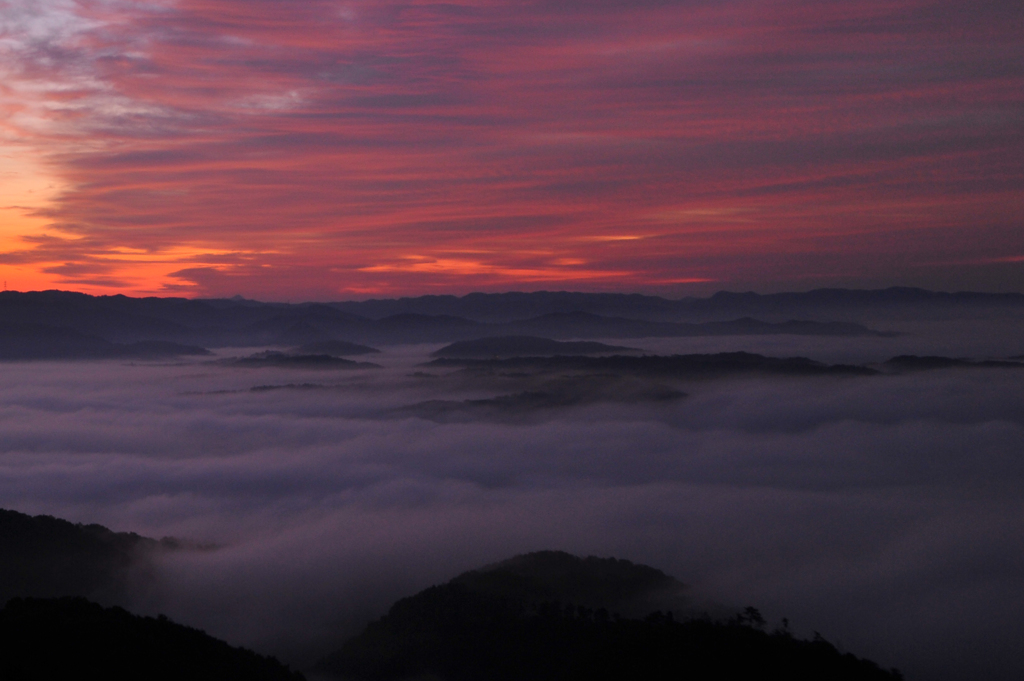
331, 137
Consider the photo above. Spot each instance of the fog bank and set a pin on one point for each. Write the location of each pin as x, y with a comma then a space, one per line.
884, 511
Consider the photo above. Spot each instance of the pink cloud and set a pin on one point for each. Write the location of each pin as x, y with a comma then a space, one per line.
330, 141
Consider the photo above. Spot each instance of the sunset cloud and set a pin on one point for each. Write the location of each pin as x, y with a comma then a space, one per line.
764, 144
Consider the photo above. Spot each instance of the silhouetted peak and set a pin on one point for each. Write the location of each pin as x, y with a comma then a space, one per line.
75, 638
528, 618
560, 576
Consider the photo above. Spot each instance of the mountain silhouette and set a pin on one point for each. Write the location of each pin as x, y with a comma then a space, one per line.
46, 556
72, 638
236, 322
546, 617
40, 341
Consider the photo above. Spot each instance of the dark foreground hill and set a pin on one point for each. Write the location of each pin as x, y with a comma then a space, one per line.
540, 617
45, 556
618, 585
72, 638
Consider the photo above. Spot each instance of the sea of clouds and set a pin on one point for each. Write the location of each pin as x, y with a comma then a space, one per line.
884, 512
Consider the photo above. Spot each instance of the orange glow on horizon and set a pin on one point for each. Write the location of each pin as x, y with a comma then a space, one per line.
304, 151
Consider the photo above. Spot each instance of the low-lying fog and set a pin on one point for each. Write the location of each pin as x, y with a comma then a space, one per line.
885, 512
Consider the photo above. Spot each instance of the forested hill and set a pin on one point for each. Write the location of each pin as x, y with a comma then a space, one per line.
45, 556
72, 638
546, 617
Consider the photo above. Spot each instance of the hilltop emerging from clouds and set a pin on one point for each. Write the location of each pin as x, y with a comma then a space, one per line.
846, 459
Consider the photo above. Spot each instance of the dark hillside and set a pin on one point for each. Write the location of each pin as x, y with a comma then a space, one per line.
71, 638
45, 556
544, 617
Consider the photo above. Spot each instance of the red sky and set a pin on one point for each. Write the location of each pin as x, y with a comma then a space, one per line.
318, 149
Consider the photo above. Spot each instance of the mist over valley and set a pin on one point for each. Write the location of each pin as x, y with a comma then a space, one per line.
871, 499
511, 341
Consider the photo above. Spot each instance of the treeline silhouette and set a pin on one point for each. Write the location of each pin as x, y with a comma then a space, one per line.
545, 616
45, 556
72, 638
491, 627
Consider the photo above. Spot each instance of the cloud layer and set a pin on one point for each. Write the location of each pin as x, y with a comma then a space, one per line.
328, 148
881, 511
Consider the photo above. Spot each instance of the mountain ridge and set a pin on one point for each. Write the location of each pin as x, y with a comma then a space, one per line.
208, 323
549, 616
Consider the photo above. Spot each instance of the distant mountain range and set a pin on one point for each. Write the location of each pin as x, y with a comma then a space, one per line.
842, 304
60, 324
40, 341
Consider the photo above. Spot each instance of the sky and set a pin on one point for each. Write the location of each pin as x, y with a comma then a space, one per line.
325, 149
